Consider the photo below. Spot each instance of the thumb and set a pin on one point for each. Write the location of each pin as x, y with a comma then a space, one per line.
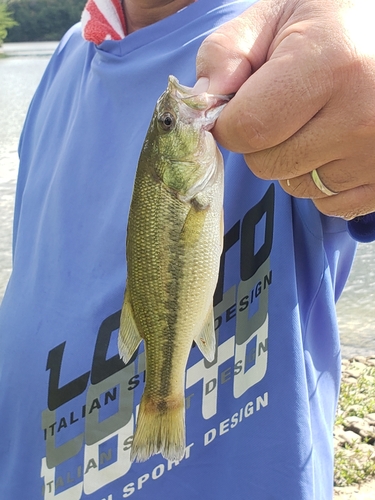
237, 49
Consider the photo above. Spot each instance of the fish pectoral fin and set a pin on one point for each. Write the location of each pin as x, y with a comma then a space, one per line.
206, 340
129, 337
193, 226
201, 201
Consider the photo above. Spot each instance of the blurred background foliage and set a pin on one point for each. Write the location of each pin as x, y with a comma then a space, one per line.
38, 20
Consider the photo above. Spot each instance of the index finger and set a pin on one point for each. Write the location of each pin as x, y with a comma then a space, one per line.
272, 57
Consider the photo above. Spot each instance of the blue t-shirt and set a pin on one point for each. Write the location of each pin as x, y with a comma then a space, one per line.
259, 418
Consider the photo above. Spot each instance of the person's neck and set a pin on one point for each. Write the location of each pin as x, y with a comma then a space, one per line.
141, 13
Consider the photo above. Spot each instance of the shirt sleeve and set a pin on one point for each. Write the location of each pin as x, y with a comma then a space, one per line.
362, 228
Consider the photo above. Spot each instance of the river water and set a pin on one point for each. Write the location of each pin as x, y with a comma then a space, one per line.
20, 73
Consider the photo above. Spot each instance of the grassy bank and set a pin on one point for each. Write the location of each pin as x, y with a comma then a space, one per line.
355, 424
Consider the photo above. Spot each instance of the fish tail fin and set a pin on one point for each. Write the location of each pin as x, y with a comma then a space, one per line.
160, 428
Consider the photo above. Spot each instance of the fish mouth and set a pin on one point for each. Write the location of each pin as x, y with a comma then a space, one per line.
209, 106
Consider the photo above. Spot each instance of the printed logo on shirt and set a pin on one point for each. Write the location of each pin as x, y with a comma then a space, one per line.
89, 423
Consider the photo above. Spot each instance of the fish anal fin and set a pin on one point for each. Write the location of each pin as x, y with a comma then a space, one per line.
129, 337
206, 340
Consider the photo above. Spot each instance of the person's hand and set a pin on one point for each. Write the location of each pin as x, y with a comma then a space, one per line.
304, 76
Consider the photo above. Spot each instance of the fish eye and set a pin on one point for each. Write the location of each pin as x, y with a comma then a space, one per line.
167, 121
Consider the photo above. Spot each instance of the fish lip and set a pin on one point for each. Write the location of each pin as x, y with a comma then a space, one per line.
212, 114
185, 93
209, 105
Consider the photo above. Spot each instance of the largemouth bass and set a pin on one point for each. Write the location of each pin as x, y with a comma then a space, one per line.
173, 248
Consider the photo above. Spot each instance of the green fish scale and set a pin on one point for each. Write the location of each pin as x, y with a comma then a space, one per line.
169, 282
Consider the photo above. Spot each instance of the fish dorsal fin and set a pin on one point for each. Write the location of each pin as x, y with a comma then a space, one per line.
129, 338
206, 340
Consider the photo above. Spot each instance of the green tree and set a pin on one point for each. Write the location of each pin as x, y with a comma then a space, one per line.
6, 21
42, 20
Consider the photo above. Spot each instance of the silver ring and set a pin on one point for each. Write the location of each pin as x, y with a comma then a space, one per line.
319, 184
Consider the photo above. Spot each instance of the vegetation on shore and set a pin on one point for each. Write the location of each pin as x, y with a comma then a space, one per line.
40, 20
6, 22
355, 424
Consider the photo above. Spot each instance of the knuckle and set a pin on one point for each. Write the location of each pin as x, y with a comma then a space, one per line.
276, 164
215, 48
223, 61
238, 133
366, 121
299, 187
326, 207
348, 204
210, 48
258, 165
